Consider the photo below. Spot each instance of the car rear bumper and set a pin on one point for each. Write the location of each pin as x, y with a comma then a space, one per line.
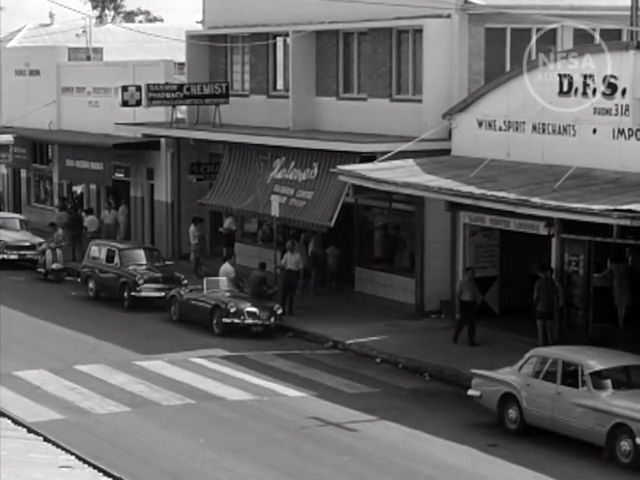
473, 393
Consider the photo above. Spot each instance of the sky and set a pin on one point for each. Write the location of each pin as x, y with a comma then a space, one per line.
16, 13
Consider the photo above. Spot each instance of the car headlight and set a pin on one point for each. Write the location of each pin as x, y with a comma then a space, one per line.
232, 308
139, 280
182, 279
278, 310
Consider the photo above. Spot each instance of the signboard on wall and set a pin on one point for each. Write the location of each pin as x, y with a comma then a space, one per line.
535, 227
193, 94
203, 171
17, 155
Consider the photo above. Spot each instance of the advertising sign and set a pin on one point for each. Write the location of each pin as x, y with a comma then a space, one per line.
192, 94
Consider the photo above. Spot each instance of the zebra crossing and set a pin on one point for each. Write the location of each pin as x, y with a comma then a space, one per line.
39, 395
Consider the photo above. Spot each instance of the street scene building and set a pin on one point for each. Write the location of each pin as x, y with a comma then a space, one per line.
311, 237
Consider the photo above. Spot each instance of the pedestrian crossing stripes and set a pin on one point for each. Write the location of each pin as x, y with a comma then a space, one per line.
39, 395
71, 392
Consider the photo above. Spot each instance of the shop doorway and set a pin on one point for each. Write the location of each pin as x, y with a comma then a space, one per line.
120, 194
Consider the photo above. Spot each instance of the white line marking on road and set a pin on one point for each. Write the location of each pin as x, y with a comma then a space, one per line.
232, 372
205, 352
134, 385
71, 392
313, 374
195, 380
24, 408
365, 340
280, 352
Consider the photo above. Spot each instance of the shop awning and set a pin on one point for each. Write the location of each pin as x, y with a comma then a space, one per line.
541, 189
72, 137
297, 186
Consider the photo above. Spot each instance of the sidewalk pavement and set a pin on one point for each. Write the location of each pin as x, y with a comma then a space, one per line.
27, 456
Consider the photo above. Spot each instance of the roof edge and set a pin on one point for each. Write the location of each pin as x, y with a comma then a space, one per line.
487, 88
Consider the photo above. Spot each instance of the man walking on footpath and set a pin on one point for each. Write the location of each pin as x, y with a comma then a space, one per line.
291, 264
468, 297
110, 221
546, 301
196, 245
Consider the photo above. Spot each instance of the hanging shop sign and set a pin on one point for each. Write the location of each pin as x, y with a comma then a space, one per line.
535, 227
131, 96
193, 94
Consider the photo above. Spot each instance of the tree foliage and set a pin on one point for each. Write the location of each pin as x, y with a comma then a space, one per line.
116, 11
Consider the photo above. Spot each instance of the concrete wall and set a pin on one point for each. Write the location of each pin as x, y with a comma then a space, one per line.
303, 80
437, 255
89, 94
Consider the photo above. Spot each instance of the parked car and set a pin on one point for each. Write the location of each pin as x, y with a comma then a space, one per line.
128, 271
222, 307
17, 243
591, 394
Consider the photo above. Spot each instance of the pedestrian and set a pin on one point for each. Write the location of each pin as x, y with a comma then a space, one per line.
228, 270
316, 259
333, 265
196, 245
619, 272
291, 265
123, 221
228, 231
109, 221
76, 230
91, 225
546, 300
305, 279
258, 286
468, 298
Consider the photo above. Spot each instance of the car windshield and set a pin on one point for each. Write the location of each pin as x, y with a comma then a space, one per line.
140, 256
16, 224
622, 378
217, 284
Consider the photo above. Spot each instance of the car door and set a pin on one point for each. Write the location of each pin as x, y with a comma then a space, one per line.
199, 308
92, 263
109, 273
569, 418
540, 376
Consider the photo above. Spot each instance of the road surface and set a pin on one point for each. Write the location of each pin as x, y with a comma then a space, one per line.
145, 398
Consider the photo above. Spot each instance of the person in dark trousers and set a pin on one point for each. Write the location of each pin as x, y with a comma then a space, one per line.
197, 245
258, 285
291, 265
76, 229
468, 297
546, 299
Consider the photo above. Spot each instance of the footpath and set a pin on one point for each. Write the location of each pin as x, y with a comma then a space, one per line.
25, 455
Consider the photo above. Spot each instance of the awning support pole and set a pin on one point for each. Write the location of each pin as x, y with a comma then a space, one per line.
566, 175
217, 116
197, 116
477, 170
173, 115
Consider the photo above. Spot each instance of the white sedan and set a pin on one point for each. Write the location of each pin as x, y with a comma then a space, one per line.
592, 394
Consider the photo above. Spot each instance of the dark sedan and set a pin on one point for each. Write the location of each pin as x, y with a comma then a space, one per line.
128, 271
222, 307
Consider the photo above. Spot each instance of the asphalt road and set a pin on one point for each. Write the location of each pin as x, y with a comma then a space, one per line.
149, 399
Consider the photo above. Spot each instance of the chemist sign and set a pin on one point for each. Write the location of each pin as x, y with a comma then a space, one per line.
192, 94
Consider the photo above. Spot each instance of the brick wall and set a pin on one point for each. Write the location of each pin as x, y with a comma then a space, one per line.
327, 63
259, 52
378, 68
218, 58
476, 53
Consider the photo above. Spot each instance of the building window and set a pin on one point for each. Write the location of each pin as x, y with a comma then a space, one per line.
42, 175
506, 47
279, 64
596, 35
239, 64
351, 61
179, 69
407, 63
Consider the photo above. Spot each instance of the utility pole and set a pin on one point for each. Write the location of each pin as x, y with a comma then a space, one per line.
635, 22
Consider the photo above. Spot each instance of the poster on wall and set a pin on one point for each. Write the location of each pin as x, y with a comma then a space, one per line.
484, 251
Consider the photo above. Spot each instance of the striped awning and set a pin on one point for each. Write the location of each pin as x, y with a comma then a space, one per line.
296, 186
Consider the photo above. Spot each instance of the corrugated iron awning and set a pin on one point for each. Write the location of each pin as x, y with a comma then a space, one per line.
302, 182
554, 189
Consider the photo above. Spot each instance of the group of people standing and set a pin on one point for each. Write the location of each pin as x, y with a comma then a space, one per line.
79, 226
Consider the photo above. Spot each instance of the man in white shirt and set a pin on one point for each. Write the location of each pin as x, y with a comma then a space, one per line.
228, 270
292, 265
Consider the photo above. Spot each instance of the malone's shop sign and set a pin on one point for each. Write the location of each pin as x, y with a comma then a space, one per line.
613, 98
84, 164
289, 172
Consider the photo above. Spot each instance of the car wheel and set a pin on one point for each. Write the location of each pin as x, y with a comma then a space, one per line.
92, 288
217, 326
623, 447
510, 415
125, 296
174, 309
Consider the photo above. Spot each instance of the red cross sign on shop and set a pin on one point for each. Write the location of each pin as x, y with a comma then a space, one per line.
131, 96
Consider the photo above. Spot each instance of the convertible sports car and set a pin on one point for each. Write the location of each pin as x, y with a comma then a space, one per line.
17, 243
222, 307
591, 394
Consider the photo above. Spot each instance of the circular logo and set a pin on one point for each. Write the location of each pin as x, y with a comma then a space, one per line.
566, 81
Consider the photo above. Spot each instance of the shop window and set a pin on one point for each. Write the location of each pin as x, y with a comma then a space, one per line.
596, 35
254, 231
351, 61
42, 175
407, 63
386, 240
279, 64
239, 64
